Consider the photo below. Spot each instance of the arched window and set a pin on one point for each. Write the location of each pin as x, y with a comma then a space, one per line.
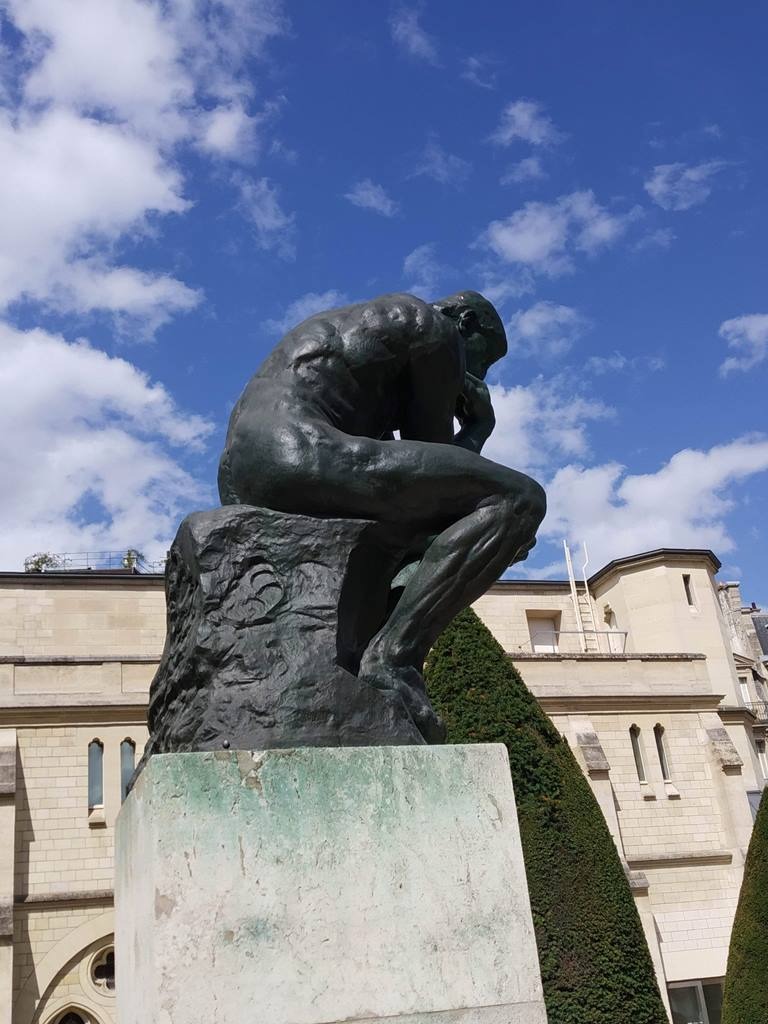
634, 736
658, 735
71, 1018
127, 765
95, 773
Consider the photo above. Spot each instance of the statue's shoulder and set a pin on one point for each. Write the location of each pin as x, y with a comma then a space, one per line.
398, 311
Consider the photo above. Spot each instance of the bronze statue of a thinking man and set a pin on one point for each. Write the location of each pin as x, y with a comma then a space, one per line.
314, 434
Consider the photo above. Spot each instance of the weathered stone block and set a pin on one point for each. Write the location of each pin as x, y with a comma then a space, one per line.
268, 617
319, 885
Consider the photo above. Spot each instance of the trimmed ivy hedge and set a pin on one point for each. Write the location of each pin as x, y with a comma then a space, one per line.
595, 964
745, 1000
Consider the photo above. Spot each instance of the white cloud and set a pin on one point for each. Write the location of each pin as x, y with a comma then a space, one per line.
543, 428
411, 38
107, 56
747, 335
541, 424
424, 271
661, 238
525, 121
228, 131
305, 306
545, 236
545, 330
106, 91
71, 187
77, 428
529, 169
444, 167
679, 186
274, 227
371, 196
617, 362
478, 71
684, 504
142, 61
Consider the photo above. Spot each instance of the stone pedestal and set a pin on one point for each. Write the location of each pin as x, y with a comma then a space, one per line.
317, 885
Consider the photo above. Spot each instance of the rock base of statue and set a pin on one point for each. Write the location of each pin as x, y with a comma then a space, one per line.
313, 886
268, 617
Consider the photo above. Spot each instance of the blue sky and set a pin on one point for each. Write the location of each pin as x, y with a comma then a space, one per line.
183, 180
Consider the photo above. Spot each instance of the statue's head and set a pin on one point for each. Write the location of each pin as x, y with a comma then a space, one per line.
485, 340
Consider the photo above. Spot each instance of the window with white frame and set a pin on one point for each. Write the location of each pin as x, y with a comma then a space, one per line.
696, 1002
762, 756
744, 689
544, 632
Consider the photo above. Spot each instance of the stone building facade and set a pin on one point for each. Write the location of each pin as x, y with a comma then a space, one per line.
642, 671
77, 653
662, 697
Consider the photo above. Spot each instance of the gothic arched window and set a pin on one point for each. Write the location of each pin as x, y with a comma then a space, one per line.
661, 749
95, 773
127, 765
634, 736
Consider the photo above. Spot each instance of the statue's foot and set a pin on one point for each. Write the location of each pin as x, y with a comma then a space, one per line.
376, 670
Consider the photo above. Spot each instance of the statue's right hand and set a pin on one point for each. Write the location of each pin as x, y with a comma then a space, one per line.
474, 403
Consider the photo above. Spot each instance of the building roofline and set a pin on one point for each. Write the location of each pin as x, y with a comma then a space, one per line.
547, 584
657, 555
121, 576
61, 577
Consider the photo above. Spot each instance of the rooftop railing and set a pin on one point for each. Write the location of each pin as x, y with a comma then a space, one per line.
128, 560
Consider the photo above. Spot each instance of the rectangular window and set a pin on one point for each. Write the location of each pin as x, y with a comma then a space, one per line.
688, 586
744, 689
544, 634
696, 1002
762, 757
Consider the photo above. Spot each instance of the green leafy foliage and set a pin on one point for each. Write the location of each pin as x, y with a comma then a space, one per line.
595, 964
745, 1000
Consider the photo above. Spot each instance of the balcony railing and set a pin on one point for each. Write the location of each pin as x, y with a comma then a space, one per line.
129, 560
759, 709
573, 641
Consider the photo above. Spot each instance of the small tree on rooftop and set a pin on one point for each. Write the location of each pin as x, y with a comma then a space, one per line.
43, 560
745, 1000
595, 964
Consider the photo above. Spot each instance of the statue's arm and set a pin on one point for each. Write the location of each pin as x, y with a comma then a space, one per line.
475, 414
433, 383
430, 400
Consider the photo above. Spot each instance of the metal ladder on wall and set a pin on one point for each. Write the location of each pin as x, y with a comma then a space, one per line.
582, 604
